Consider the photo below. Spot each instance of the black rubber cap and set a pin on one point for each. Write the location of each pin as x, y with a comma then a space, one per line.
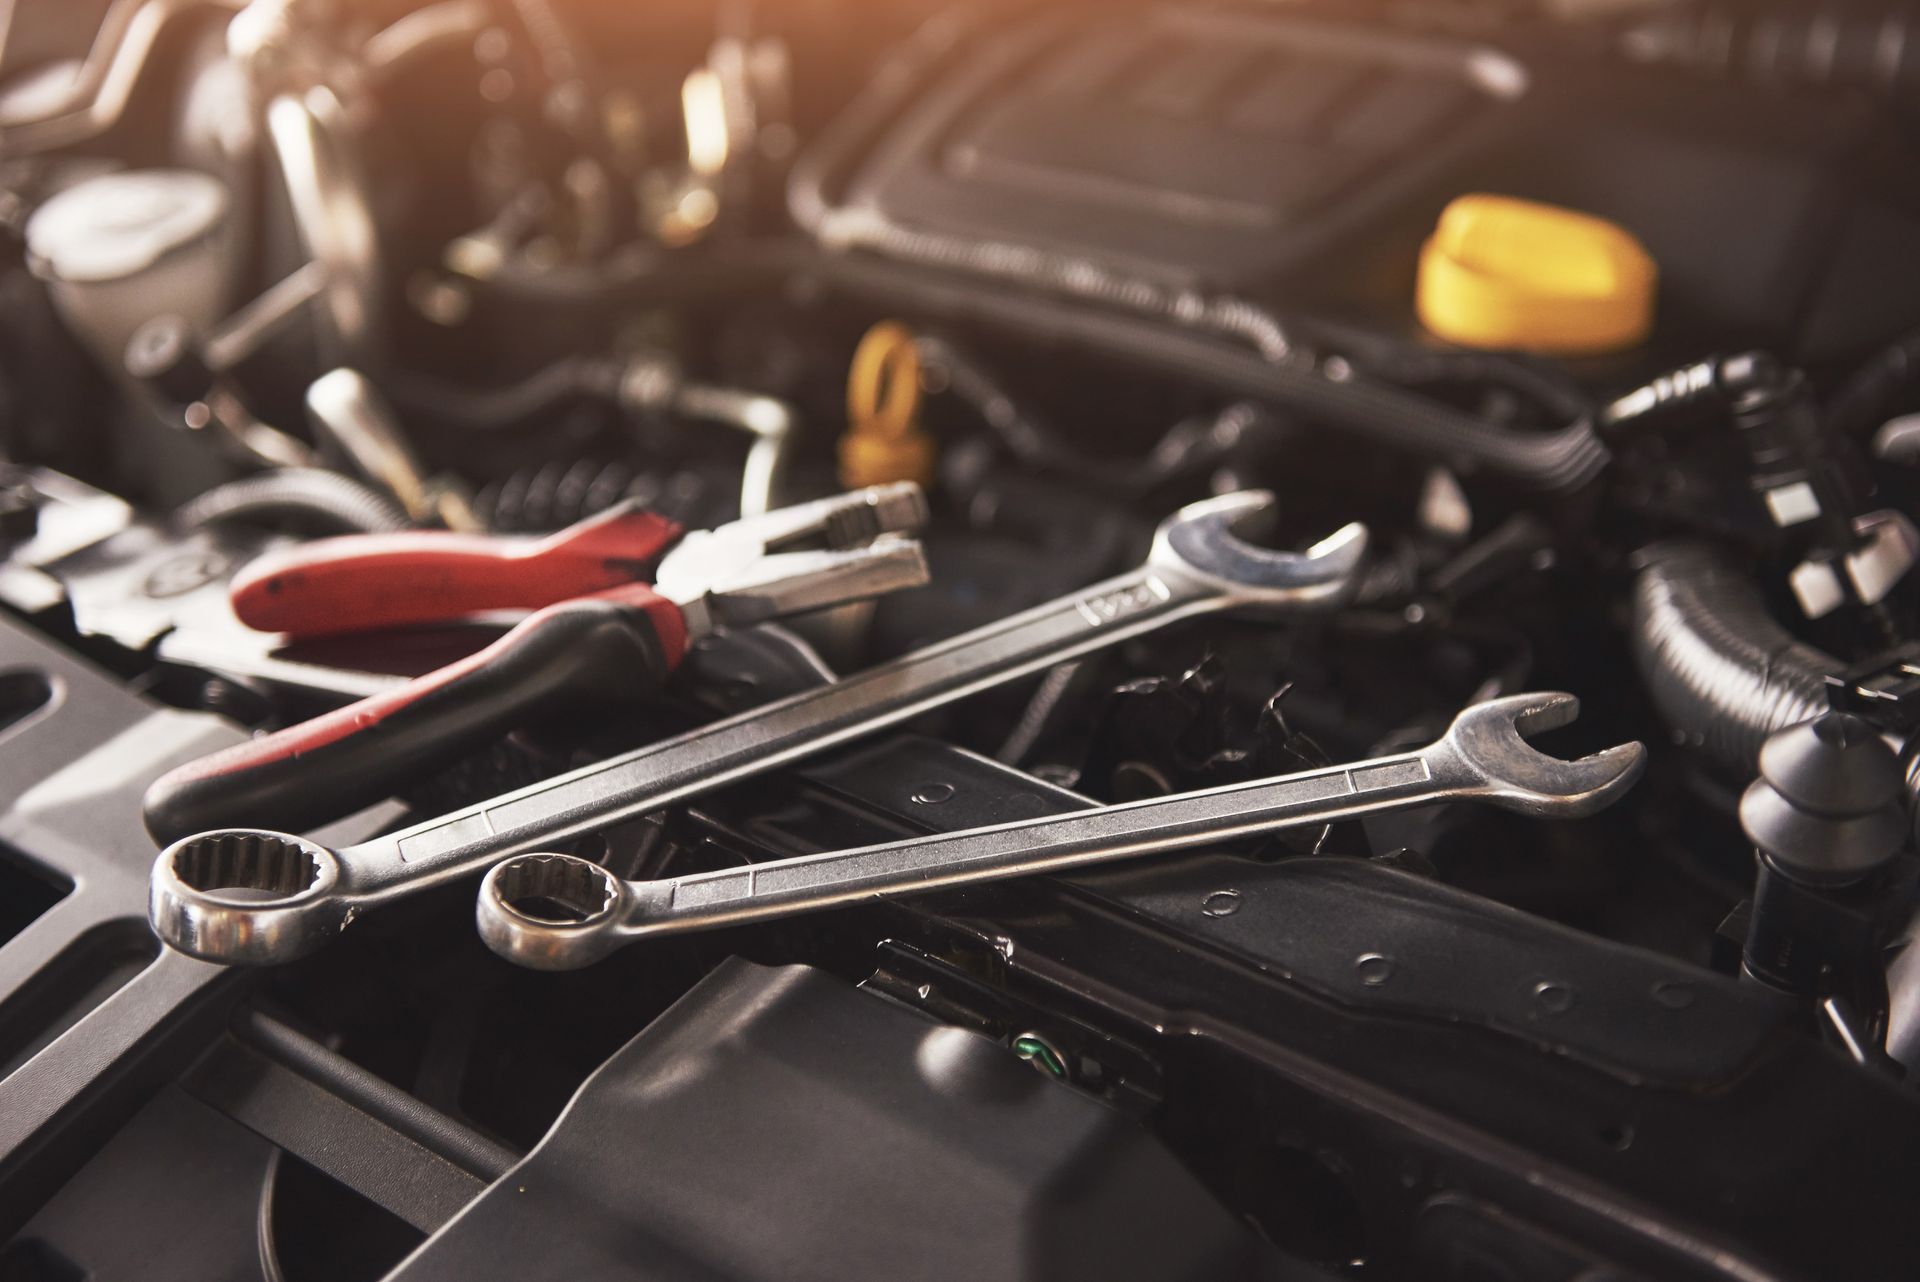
1837, 764
1819, 850
1827, 809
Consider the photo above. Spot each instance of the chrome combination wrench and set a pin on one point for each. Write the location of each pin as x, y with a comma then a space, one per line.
559, 912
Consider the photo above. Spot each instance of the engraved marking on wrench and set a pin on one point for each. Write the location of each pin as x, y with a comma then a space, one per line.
1110, 607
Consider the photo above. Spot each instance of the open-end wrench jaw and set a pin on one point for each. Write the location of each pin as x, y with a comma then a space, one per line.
1488, 742
1213, 541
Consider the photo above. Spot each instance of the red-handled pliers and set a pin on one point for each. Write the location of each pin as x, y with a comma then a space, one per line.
599, 632
365, 582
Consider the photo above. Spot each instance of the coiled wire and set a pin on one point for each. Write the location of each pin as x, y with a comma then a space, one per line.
305, 496
557, 494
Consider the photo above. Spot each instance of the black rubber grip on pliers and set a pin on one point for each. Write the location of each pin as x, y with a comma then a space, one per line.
568, 657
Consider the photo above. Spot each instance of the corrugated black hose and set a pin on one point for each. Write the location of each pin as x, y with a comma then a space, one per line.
1722, 672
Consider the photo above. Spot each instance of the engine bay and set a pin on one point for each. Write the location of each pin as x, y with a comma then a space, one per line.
773, 641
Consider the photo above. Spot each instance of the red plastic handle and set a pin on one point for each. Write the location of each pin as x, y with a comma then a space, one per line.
360, 582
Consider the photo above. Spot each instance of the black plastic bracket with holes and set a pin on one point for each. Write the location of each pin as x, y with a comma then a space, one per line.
1457, 1055
94, 1015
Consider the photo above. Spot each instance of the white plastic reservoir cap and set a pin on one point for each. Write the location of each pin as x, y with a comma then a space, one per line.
118, 225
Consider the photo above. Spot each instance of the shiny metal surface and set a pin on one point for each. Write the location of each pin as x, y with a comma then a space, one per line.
343, 405
311, 140
104, 86
756, 568
557, 912
1199, 564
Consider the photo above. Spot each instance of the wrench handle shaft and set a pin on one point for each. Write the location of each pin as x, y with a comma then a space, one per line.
766, 738
703, 900
1482, 757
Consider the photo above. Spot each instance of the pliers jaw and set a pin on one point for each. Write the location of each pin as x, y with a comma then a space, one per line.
796, 582
806, 557
839, 521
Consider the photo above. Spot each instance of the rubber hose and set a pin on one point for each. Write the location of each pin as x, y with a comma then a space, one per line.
530, 403
1877, 390
1563, 459
313, 495
1722, 672
652, 277
1189, 444
1537, 381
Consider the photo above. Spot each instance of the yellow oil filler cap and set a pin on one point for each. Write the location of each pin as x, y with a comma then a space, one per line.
1505, 273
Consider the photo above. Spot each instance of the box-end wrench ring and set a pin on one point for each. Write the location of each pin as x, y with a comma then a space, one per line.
558, 912
253, 896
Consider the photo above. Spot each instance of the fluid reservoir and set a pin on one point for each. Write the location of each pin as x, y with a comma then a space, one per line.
120, 248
